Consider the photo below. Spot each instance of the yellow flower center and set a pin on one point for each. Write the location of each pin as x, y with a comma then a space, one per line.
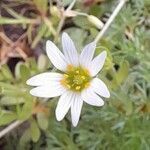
76, 78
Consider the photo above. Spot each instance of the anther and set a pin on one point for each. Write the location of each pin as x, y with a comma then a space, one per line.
78, 87
77, 71
66, 75
68, 86
83, 77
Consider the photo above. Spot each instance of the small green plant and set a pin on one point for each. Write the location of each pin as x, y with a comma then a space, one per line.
124, 121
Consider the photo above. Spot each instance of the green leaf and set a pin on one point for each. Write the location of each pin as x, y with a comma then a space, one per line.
6, 100
41, 5
128, 106
118, 125
7, 86
7, 117
25, 138
6, 72
26, 109
35, 131
123, 72
24, 72
81, 21
17, 70
42, 121
119, 76
109, 60
31, 63
1, 77
11, 90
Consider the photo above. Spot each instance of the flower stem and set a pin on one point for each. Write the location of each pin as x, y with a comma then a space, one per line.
10, 127
63, 19
110, 20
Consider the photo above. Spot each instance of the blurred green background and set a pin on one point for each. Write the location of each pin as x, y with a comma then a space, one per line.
123, 123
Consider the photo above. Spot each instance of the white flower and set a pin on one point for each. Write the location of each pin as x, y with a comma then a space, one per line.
76, 83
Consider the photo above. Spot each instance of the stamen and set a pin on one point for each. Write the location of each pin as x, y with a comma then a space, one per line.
77, 71
78, 87
76, 78
83, 77
68, 86
66, 75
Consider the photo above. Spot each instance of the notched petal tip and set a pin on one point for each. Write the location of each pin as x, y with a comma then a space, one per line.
58, 118
100, 88
102, 103
108, 94
32, 92
28, 82
58, 115
65, 37
48, 44
74, 124
64, 34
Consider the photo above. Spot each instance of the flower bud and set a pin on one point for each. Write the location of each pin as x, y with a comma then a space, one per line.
95, 21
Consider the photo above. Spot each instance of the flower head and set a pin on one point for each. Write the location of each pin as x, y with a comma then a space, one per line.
76, 82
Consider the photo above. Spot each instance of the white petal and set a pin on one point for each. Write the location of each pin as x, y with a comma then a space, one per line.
48, 91
97, 63
91, 98
69, 50
55, 55
100, 88
63, 105
87, 54
76, 107
46, 78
